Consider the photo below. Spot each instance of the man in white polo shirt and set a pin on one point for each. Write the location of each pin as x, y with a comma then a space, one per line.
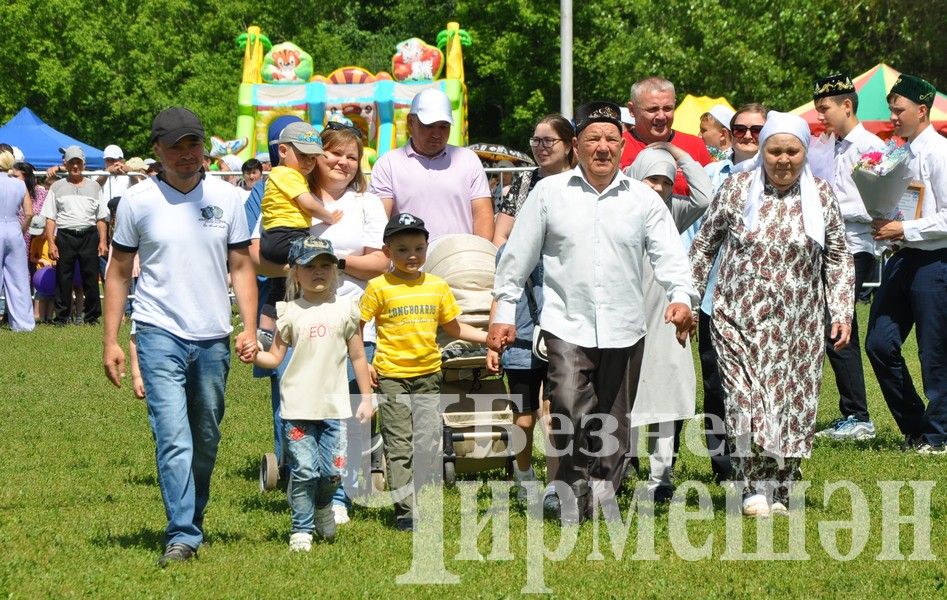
443, 185
188, 230
76, 216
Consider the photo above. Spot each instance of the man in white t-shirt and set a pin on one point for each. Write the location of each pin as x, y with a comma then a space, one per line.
188, 231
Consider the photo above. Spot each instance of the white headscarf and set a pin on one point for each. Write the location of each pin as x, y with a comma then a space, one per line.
812, 220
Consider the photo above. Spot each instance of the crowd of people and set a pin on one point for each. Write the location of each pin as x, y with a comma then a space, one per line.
625, 241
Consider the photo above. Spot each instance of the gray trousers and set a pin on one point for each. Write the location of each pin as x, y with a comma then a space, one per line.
591, 393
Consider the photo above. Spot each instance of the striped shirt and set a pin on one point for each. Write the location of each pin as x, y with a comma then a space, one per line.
406, 315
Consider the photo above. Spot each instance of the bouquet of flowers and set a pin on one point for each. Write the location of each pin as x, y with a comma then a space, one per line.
881, 177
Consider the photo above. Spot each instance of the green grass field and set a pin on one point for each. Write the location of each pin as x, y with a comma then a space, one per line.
81, 513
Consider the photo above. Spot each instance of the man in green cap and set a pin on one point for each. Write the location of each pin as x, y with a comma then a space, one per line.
914, 283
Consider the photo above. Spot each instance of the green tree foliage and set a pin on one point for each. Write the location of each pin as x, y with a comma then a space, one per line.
100, 71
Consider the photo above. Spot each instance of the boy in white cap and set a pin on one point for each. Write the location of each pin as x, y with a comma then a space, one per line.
715, 131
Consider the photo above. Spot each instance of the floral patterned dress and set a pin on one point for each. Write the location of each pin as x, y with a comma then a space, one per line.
774, 289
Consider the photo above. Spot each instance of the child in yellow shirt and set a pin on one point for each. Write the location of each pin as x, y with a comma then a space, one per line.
288, 205
408, 305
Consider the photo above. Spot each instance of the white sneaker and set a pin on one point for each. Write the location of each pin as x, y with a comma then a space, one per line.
300, 542
341, 514
755, 506
778, 508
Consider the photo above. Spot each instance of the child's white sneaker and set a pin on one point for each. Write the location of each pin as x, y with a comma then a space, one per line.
300, 542
755, 505
341, 514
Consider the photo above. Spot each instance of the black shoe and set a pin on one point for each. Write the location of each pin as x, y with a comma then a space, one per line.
663, 495
912, 443
176, 553
405, 524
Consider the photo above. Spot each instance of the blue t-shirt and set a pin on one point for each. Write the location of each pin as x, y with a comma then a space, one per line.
520, 354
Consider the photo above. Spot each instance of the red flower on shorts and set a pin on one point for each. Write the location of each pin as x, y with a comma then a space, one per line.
296, 434
339, 461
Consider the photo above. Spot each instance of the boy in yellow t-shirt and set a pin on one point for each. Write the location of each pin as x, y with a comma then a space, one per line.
288, 206
408, 305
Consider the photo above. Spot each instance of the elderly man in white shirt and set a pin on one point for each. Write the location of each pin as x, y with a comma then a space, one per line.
837, 104
591, 226
914, 283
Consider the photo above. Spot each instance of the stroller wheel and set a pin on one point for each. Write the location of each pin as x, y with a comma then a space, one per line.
269, 472
450, 473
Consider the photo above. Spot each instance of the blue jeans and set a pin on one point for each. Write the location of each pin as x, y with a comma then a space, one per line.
184, 387
316, 451
912, 292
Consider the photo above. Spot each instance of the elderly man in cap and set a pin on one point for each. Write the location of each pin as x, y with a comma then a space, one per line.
837, 104
652, 106
76, 231
188, 231
443, 185
591, 227
914, 282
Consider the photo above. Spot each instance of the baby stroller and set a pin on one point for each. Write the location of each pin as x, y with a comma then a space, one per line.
477, 427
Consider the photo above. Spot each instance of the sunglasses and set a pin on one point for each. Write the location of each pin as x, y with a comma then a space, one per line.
740, 130
336, 126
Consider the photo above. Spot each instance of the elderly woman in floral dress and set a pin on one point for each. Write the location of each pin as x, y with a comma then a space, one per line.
784, 267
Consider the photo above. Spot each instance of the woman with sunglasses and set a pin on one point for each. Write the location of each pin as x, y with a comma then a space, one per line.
746, 125
525, 373
784, 267
552, 148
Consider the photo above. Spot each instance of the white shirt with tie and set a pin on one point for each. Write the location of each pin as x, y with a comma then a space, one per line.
592, 245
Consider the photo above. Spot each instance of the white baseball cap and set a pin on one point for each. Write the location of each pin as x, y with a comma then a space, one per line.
432, 106
626, 117
722, 114
114, 152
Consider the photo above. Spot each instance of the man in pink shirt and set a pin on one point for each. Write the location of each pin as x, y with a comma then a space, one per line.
652, 106
442, 184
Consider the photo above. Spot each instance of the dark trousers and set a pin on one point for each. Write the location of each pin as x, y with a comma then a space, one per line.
913, 291
83, 248
600, 383
847, 362
714, 398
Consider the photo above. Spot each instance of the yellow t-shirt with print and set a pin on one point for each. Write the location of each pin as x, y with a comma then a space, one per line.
279, 205
407, 314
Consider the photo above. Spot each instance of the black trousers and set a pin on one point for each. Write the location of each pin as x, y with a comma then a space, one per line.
597, 382
847, 362
714, 398
80, 247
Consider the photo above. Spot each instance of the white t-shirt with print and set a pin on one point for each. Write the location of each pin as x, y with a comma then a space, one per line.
182, 242
315, 385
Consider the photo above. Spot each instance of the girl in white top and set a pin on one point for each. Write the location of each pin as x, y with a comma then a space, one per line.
322, 328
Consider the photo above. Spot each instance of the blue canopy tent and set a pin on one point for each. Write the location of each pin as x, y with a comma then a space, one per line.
40, 143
